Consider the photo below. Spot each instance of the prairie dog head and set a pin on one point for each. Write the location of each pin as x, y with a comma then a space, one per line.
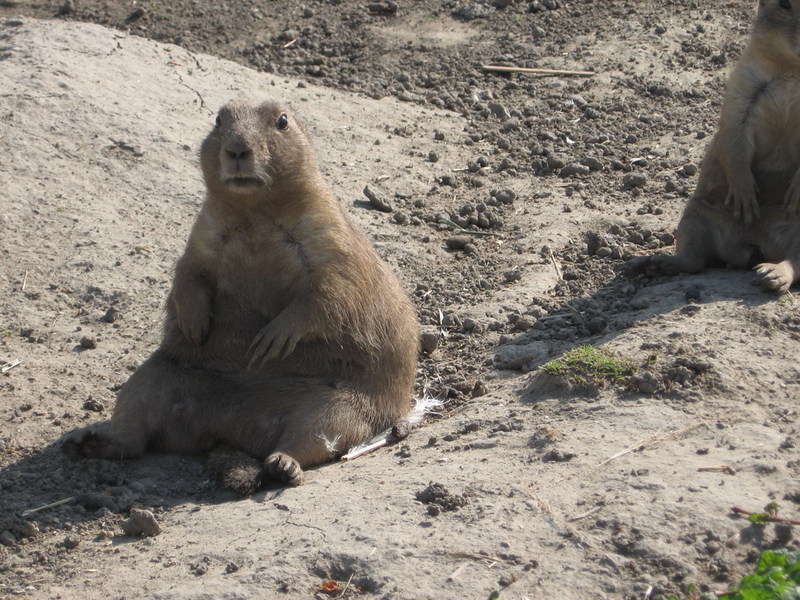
777, 29
255, 149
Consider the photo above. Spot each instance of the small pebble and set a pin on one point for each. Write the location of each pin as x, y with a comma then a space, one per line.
376, 201
7, 538
141, 522
71, 542
634, 180
401, 218
429, 341
88, 343
573, 169
458, 242
112, 315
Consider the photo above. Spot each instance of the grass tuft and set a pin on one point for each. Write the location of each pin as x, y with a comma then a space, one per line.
590, 366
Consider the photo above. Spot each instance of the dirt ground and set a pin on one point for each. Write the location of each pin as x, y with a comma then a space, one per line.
515, 199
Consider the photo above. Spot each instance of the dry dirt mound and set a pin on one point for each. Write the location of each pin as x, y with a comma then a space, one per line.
532, 484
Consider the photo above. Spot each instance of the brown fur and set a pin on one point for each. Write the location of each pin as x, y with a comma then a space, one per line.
285, 336
745, 209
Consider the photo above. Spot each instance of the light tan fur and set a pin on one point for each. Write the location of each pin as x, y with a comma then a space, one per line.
285, 335
745, 211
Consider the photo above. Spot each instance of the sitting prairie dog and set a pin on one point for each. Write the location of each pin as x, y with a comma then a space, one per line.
759, 127
286, 336
745, 210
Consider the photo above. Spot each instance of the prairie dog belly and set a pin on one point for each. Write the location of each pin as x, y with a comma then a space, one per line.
774, 121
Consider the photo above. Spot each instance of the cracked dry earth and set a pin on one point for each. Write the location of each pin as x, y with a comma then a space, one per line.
513, 199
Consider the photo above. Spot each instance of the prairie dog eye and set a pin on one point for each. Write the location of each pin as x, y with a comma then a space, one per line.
283, 121
218, 122
785, 4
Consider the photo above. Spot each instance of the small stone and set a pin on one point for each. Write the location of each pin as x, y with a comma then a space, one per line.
458, 242
67, 8
692, 293
388, 7
7, 538
429, 341
112, 315
136, 14
30, 529
88, 343
593, 163
433, 156
376, 201
634, 180
71, 542
689, 169
646, 382
596, 325
783, 533
231, 567
93, 405
573, 169
401, 218
505, 196
95, 501
558, 456
141, 522
479, 389
499, 111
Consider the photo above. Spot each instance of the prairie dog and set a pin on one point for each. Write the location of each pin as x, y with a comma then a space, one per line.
286, 336
745, 210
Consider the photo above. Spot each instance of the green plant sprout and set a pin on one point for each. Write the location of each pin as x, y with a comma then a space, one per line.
776, 577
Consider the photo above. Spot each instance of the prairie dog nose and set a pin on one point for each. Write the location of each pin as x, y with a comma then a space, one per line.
236, 148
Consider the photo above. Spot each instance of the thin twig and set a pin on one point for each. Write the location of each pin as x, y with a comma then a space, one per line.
719, 469
474, 556
24, 281
767, 517
346, 585
654, 439
558, 521
559, 274
536, 71
588, 513
51, 505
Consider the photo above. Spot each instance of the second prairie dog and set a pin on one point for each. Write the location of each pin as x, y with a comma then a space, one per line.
286, 336
745, 209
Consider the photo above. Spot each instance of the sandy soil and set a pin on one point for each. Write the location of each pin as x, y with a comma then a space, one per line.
515, 200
